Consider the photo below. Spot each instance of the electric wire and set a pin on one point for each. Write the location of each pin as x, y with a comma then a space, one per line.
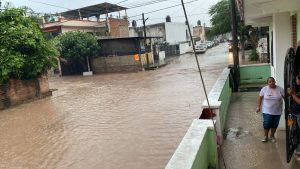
49, 4
122, 1
141, 3
201, 77
145, 3
180, 16
162, 9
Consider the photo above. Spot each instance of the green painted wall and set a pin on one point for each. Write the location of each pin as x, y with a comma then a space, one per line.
254, 74
207, 154
225, 98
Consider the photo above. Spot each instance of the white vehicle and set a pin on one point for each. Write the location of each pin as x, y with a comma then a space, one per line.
209, 44
201, 48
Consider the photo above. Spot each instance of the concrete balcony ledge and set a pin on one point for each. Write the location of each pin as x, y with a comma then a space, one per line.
216, 91
255, 65
197, 149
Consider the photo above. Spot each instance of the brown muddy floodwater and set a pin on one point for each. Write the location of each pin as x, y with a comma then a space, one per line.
111, 121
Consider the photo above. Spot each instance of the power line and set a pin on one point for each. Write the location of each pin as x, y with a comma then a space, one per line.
49, 4
162, 9
145, 3
122, 1
180, 16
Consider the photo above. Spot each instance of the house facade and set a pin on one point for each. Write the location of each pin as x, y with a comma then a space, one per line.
126, 54
199, 33
117, 27
92, 19
172, 33
175, 36
283, 20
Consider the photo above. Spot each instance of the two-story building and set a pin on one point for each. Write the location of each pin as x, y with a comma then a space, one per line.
175, 35
93, 19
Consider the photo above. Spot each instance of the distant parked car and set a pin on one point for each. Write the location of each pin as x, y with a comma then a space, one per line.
201, 48
209, 44
216, 42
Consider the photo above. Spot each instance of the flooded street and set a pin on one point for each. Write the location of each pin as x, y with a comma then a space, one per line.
110, 121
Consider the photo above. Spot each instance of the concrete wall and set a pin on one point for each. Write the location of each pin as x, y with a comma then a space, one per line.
254, 74
219, 100
126, 63
81, 29
75, 25
176, 32
19, 91
282, 41
162, 56
184, 47
199, 31
171, 32
197, 149
78, 23
155, 30
133, 32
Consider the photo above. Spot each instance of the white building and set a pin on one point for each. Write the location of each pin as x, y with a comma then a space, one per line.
199, 33
171, 33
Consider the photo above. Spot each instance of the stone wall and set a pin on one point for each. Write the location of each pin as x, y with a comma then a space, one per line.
17, 91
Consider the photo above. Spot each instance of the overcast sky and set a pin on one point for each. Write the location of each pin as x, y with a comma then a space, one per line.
196, 10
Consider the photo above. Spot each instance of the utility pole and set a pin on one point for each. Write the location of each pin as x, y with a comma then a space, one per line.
236, 67
145, 40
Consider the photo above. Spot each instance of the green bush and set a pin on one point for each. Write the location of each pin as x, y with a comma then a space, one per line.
77, 45
254, 55
24, 53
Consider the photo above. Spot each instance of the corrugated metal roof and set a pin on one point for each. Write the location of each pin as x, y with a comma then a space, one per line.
93, 10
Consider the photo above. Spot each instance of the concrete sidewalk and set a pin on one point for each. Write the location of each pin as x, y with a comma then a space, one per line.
242, 147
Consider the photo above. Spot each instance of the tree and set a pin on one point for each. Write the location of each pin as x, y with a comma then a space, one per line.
221, 22
24, 53
220, 18
78, 46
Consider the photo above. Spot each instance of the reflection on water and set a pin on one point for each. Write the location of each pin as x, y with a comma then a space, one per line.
110, 121
230, 58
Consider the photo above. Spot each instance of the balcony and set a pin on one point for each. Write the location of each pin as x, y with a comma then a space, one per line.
233, 140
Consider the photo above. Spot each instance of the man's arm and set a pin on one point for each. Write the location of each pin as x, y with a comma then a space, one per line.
293, 94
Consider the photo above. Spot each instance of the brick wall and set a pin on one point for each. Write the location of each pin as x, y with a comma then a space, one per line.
19, 91
294, 30
118, 27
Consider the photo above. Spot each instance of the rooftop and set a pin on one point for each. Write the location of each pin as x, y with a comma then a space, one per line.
93, 10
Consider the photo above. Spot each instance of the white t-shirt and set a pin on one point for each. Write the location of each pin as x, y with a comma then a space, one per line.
272, 100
